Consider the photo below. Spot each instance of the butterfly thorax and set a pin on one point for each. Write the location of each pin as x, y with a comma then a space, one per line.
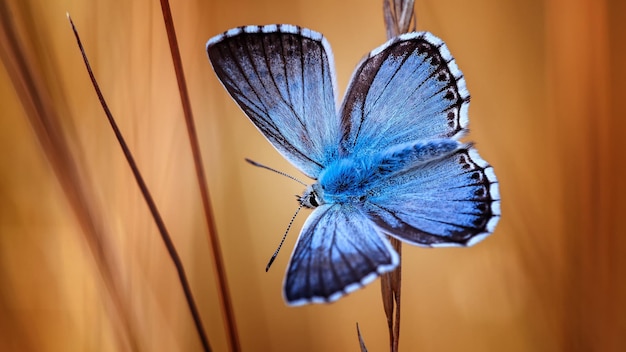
343, 181
351, 180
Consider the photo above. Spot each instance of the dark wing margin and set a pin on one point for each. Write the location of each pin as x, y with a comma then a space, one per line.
410, 88
338, 251
283, 78
452, 201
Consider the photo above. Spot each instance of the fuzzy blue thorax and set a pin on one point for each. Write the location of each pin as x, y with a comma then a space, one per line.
350, 180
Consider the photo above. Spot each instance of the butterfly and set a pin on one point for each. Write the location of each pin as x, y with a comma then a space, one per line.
387, 162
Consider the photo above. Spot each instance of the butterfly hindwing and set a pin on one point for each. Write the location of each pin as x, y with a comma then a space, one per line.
339, 250
408, 89
283, 78
453, 200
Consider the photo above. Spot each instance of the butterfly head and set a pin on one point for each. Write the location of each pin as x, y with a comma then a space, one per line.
312, 196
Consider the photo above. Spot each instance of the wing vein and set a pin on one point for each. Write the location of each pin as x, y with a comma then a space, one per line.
382, 91
263, 108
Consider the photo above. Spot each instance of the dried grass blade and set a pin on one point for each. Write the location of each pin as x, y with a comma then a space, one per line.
390, 20
398, 19
218, 262
390, 284
361, 341
149, 201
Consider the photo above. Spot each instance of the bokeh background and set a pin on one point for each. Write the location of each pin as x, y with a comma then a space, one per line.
547, 80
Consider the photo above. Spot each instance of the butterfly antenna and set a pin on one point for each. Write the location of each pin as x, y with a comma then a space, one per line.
276, 171
283, 240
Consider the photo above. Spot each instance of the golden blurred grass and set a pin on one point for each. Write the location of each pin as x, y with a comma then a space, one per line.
547, 84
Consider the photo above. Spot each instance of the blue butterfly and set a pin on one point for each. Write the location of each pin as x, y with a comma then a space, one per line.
387, 162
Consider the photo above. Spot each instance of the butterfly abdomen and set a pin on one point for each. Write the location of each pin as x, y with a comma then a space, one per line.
351, 179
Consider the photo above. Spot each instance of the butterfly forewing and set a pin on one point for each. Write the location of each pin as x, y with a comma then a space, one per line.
282, 78
408, 89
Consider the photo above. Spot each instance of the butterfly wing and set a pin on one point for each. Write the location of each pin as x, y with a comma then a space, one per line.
408, 89
338, 251
451, 201
283, 78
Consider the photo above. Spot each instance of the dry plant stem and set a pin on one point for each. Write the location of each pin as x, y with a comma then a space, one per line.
399, 18
34, 94
361, 341
218, 262
390, 284
149, 201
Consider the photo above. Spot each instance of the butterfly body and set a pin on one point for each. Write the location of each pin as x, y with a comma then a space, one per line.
387, 162
353, 179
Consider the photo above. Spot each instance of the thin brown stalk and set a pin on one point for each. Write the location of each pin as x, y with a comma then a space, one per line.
149, 201
399, 18
218, 262
390, 284
26, 75
361, 341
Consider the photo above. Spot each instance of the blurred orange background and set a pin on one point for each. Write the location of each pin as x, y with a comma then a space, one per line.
547, 80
